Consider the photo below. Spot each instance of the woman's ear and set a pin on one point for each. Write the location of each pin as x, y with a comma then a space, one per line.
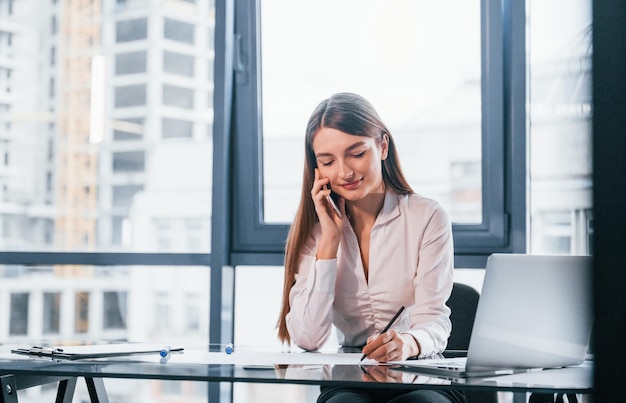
384, 147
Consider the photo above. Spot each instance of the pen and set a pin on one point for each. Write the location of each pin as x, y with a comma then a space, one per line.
388, 325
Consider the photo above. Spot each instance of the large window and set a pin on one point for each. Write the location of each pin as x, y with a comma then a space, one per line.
106, 172
560, 208
90, 165
430, 99
436, 73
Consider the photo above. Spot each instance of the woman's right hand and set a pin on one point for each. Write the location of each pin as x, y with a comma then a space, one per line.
330, 222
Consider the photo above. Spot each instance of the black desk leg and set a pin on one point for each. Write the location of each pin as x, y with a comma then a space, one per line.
65, 392
97, 393
9, 389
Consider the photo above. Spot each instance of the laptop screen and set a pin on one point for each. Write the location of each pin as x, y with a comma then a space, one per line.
534, 312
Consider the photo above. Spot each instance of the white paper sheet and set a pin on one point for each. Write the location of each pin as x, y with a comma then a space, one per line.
249, 358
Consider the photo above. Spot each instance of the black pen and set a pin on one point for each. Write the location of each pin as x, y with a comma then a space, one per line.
388, 325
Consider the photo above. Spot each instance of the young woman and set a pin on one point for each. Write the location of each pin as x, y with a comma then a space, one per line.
384, 248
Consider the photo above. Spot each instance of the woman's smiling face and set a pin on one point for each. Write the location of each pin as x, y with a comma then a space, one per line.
351, 163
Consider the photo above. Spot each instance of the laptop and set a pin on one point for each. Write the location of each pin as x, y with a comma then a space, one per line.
534, 312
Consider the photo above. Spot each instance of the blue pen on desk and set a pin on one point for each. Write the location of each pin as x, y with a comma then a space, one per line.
229, 349
165, 351
388, 325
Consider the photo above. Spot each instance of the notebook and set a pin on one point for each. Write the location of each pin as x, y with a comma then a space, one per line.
534, 312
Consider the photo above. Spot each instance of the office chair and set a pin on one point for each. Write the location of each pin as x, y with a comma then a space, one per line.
463, 303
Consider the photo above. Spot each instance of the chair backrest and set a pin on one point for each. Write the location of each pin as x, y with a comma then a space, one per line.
463, 303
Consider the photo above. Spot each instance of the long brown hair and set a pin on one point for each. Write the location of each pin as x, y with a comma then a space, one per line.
352, 114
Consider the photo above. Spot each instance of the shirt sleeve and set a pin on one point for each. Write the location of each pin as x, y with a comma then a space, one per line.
430, 315
310, 317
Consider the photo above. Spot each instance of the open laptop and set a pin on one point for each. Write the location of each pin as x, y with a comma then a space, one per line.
534, 312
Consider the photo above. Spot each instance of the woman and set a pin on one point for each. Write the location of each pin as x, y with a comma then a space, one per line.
385, 248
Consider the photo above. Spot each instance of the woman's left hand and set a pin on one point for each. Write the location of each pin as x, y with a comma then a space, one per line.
391, 346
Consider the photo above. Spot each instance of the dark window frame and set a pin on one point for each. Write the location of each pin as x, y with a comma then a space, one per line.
503, 143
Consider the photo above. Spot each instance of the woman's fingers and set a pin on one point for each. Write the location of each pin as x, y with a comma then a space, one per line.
385, 347
320, 188
320, 193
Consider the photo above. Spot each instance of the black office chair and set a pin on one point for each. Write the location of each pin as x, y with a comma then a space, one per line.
463, 303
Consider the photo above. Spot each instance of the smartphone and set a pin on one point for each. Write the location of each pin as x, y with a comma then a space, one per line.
333, 204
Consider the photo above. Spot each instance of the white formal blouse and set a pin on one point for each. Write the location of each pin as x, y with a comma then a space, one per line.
411, 264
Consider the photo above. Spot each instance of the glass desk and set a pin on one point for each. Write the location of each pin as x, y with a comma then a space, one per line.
20, 372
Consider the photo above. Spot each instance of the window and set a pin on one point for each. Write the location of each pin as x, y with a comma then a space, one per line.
431, 100
128, 129
172, 128
129, 161
49, 181
560, 166
67, 169
178, 31
130, 95
80, 229
51, 312
444, 110
130, 63
178, 63
178, 97
81, 312
114, 312
131, 30
18, 322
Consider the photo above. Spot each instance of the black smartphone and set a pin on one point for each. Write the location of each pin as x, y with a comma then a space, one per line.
331, 201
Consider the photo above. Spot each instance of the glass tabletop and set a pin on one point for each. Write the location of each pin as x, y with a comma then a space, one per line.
249, 365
